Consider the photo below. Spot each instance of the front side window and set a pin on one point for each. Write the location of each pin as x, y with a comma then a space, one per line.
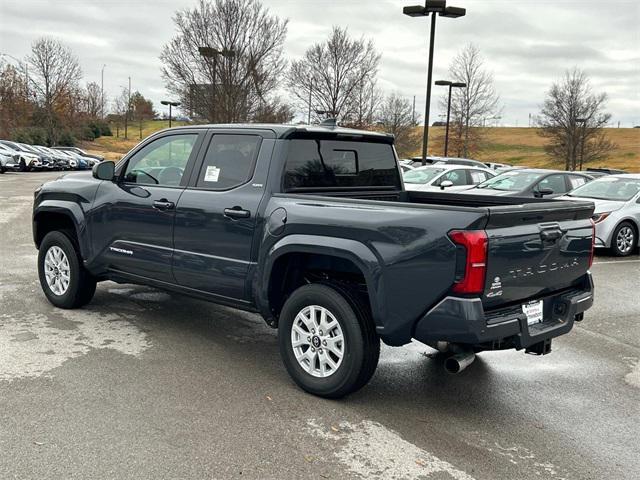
229, 161
317, 163
161, 162
554, 183
457, 177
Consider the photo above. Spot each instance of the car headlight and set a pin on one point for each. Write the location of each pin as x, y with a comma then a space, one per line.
599, 217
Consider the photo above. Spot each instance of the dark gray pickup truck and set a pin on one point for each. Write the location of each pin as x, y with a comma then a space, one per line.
310, 226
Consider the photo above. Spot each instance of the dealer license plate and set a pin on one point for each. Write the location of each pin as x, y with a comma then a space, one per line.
533, 311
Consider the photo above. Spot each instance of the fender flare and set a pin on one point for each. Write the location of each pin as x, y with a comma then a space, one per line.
362, 257
71, 210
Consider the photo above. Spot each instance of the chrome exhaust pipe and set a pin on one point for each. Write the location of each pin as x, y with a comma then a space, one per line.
458, 362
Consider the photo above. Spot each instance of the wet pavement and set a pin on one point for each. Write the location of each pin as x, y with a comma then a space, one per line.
145, 384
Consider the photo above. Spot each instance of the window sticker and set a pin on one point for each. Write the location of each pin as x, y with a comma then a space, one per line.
212, 174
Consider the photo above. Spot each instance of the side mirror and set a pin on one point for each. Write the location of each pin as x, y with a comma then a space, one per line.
445, 184
104, 170
541, 192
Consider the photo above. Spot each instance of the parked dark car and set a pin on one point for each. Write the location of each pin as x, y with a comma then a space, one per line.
80, 152
312, 228
531, 182
601, 172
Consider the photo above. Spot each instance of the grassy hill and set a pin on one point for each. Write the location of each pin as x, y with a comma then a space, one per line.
517, 146
524, 146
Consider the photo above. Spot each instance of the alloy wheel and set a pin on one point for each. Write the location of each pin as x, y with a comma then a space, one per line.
318, 341
57, 271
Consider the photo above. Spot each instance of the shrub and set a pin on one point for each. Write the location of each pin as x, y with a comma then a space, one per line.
66, 139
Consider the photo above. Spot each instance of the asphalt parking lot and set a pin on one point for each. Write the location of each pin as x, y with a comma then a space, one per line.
145, 384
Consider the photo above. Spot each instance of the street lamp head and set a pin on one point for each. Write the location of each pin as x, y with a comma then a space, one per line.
443, 83
459, 84
212, 52
435, 6
415, 11
453, 12
167, 102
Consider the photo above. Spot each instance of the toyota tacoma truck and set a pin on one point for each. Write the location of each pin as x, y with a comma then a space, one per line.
312, 228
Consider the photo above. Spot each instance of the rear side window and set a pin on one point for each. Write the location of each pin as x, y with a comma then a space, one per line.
576, 181
315, 163
229, 161
478, 176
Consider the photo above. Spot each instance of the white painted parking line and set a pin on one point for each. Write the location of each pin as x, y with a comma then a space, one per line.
616, 261
370, 450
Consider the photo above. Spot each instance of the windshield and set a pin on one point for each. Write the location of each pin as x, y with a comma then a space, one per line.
512, 181
421, 175
609, 188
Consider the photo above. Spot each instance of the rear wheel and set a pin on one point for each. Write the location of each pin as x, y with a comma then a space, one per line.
64, 280
327, 340
624, 240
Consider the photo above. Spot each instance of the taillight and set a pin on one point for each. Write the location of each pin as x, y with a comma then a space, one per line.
475, 269
593, 242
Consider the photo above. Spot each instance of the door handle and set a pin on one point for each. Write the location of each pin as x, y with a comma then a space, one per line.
163, 204
236, 212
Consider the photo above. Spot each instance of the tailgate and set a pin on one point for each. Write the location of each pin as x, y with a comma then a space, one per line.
535, 249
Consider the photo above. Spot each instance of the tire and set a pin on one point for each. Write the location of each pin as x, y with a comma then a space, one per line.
360, 347
72, 290
23, 166
624, 240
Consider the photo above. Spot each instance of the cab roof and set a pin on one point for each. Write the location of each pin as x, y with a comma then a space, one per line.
291, 131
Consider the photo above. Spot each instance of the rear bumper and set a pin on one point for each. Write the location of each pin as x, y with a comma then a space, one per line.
464, 321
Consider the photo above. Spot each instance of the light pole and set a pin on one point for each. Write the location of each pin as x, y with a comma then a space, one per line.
583, 121
431, 7
214, 53
171, 104
102, 91
451, 85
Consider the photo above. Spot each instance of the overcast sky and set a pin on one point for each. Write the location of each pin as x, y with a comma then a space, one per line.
527, 44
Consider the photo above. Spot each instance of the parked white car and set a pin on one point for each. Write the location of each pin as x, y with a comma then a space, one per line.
26, 160
617, 213
450, 178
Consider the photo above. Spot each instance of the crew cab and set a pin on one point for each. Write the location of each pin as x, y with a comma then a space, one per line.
312, 228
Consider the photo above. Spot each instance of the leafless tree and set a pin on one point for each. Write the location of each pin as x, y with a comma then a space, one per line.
230, 87
396, 117
274, 111
54, 75
121, 108
572, 117
93, 100
470, 105
339, 75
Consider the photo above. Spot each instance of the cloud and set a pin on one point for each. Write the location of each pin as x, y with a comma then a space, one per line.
527, 44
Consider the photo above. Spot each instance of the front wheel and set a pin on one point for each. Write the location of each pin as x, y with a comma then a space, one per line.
624, 240
64, 280
327, 340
